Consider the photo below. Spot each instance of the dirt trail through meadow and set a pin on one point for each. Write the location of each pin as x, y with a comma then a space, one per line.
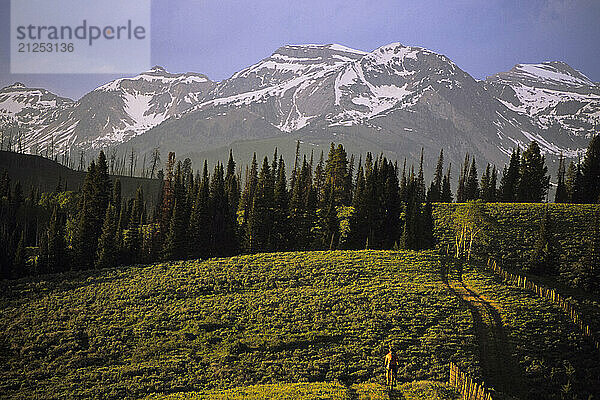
500, 369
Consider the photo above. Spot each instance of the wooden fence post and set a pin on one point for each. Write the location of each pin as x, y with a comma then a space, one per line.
550, 294
468, 388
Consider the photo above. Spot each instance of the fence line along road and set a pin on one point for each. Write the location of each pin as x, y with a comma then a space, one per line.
468, 388
547, 293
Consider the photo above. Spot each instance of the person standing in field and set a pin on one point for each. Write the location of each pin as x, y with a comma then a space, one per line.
391, 367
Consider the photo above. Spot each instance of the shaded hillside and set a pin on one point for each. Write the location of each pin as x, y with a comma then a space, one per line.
45, 175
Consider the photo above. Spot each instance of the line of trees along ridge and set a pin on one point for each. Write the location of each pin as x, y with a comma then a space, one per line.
335, 202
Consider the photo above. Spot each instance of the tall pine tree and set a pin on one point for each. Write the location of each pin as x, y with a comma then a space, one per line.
590, 171
509, 183
534, 181
561, 195
107, 246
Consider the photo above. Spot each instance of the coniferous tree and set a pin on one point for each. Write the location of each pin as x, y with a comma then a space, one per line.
5, 262
446, 194
561, 195
168, 199
281, 231
176, 245
350, 181
200, 219
403, 184
488, 184
248, 195
102, 190
358, 222
260, 220
107, 246
320, 178
391, 206
42, 258
434, 194
336, 177
494, 185
374, 207
222, 233
122, 225
410, 235
175, 242
17, 198
427, 225
57, 259
85, 240
329, 225
574, 184
132, 244
137, 215
590, 172
5, 185
472, 183
232, 187
295, 169
303, 206
411, 232
509, 183
420, 188
96, 193
534, 181
461, 191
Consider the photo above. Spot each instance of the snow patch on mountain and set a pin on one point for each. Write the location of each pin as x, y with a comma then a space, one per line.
550, 72
139, 109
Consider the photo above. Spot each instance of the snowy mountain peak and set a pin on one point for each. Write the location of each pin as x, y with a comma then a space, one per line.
16, 85
547, 73
317, 52
394, 52
331, 47
156, 75
157, 68
557, 97
392, 93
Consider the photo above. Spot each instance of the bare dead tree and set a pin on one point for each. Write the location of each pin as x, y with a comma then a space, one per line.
112, 159
155, 161
131, 160
81, 160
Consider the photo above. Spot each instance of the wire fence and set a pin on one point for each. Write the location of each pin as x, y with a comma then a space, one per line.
468, 388
550, 294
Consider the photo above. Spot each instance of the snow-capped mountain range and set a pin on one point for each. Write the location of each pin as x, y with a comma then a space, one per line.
396, 99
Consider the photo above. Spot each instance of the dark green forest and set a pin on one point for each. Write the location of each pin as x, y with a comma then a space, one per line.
320, 203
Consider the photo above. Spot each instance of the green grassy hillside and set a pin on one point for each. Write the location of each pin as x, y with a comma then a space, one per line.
555, 360
219, 326
421, 390
45, 174
515, 228
287, 317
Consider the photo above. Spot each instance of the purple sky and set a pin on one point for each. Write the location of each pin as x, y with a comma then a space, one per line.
218, 38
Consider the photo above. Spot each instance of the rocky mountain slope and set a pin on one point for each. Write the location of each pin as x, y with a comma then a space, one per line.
562, 102
396, 99
108, 115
